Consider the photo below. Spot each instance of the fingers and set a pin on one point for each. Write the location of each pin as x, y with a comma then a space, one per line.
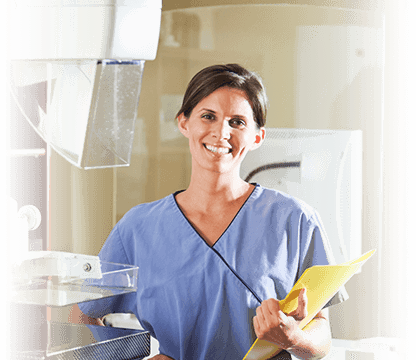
272, 324
269, 316
270, 306
302, 310
303, 303
269, 310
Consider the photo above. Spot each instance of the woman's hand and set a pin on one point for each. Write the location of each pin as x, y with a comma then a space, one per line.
311, 342
271, 324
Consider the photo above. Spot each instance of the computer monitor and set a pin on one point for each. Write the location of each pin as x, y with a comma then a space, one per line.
322, 168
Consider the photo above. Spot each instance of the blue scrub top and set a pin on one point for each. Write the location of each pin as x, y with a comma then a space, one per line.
197, 300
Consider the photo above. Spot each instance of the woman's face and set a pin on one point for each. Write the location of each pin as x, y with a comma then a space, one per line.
221, 130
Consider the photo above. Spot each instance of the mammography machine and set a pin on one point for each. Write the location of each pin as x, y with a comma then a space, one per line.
75, 74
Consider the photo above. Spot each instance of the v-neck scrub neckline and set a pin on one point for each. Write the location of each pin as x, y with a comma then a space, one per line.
173, 196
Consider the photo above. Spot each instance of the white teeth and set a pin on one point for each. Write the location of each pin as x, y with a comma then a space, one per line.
219, 150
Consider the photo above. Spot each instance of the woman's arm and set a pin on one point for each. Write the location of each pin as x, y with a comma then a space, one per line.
313, 342
316, 340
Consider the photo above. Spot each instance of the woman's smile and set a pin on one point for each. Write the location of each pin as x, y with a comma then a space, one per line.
218, 149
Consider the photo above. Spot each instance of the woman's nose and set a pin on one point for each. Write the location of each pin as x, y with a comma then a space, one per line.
222, 130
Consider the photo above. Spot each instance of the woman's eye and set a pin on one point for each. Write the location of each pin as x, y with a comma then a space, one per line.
237, 122
208, 116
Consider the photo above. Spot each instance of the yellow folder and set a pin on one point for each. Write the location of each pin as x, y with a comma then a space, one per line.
322, 282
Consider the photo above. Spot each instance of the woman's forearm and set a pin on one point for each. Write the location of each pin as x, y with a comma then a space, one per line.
314, 341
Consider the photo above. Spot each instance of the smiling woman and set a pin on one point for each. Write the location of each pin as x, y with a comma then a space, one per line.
215, 258
221, 130
222, 124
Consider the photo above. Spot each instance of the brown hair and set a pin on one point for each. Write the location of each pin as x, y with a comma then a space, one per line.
206, 81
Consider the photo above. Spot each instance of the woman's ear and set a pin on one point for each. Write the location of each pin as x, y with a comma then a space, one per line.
259, 138
183, 124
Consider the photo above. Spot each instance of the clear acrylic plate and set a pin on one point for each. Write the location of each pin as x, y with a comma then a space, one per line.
62, 291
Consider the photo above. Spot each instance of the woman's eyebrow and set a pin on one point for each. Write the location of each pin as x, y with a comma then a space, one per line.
209, 110
214, 112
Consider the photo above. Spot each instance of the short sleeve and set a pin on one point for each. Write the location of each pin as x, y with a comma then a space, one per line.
316, 250
112, 251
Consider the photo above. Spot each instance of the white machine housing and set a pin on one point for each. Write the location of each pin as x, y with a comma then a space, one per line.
84, 29
76, 73
324, 169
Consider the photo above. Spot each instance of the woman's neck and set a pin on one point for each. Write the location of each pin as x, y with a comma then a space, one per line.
211, 188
